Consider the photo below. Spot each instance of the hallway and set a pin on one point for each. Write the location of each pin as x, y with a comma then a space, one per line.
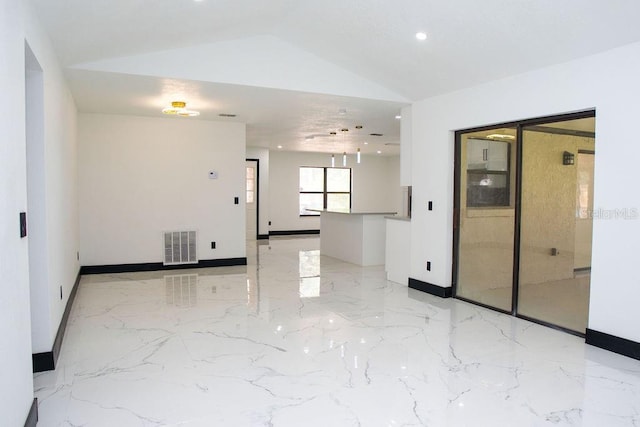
298, 339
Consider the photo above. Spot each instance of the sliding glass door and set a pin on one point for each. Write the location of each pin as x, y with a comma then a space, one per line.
556, 222
486, 212
524, 202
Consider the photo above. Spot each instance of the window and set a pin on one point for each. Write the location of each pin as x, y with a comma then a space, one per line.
324, 188
251, 184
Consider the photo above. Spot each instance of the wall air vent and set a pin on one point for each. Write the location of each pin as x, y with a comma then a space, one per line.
180, 247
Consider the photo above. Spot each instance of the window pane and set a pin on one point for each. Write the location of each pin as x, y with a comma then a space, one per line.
310, 201
338, 202
251, 184
311, 179
338, 179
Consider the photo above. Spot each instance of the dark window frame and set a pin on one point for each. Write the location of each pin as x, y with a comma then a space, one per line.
324, 193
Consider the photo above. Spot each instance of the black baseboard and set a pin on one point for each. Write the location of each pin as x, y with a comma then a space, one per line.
429, 288
292, 232
612, 343
47, 361
32, 418
263, 237
158, 266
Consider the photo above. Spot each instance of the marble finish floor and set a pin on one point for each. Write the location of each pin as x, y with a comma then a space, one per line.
298, 339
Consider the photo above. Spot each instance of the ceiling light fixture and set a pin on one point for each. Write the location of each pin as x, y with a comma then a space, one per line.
500, 136
421, 35
358, 159
398, 117
179, 108
344, 145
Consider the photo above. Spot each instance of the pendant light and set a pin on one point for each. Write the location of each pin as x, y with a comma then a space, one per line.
344, 146
358, 159
333, 140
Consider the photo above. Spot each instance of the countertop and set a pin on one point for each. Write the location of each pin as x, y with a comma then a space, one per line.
349, 212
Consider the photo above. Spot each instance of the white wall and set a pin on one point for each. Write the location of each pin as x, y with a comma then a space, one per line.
16, 387
141, 176
262, 154
607, 82
60, 204
375, 186
56, 200
406, 142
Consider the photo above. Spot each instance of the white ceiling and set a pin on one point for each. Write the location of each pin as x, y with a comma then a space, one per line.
286, 67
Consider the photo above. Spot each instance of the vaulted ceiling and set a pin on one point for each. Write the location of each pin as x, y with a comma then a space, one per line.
292, 69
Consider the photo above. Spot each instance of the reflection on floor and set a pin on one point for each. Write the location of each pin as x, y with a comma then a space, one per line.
260, 346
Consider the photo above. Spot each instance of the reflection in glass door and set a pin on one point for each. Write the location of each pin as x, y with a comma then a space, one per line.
486, 206
556, 222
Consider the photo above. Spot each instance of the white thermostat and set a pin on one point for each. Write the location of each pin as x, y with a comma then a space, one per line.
213, 174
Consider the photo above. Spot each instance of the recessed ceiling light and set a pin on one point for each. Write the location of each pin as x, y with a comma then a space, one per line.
375, 134
421, 36
379, 152
279, 146
366, 143
308, 138
227, 115
398, 117
342, 111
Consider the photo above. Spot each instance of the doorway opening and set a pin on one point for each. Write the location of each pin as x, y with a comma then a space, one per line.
36, 203
524, 203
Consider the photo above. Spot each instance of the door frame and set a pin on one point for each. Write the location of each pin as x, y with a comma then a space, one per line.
517, 188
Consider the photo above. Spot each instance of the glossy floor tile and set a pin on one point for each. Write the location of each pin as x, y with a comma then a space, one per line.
298, 339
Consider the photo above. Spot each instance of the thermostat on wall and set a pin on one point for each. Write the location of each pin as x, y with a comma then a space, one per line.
213, 174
